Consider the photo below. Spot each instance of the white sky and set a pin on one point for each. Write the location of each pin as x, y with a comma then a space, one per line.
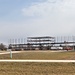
42, 18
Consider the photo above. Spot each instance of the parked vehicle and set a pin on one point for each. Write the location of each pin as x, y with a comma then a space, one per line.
57, 48
68, 48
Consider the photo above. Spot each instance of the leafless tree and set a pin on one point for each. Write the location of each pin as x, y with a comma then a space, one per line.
2, 47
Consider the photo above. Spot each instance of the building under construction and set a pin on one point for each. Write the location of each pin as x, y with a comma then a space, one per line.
34, 43
43, 43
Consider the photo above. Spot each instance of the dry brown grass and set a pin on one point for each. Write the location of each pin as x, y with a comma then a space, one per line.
41, 55
37, 68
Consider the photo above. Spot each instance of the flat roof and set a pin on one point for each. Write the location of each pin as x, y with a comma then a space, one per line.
40, 37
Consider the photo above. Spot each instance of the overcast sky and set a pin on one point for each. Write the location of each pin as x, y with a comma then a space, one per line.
23, 18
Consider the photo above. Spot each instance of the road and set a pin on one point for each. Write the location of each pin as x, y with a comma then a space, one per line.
4, 52
7, 52
37, 61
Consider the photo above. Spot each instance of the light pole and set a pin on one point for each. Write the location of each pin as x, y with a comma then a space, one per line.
73, 42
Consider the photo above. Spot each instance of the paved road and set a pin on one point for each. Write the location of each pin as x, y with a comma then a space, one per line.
37, 61
30, 51
9, 52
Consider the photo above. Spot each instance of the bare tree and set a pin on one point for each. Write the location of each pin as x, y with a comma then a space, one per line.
2, 47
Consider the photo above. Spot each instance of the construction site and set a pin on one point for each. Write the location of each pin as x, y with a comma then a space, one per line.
44, 43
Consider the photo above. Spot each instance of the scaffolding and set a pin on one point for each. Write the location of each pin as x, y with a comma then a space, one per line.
41, 43
44, 43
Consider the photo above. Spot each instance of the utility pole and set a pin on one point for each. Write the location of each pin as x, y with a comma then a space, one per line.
73, 41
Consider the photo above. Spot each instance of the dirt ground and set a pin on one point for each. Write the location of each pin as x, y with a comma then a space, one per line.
37, 68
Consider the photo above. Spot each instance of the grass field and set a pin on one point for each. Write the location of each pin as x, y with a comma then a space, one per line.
41, 55
26, 68
37, 68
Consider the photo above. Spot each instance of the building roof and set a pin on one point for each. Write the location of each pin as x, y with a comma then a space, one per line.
41, 37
